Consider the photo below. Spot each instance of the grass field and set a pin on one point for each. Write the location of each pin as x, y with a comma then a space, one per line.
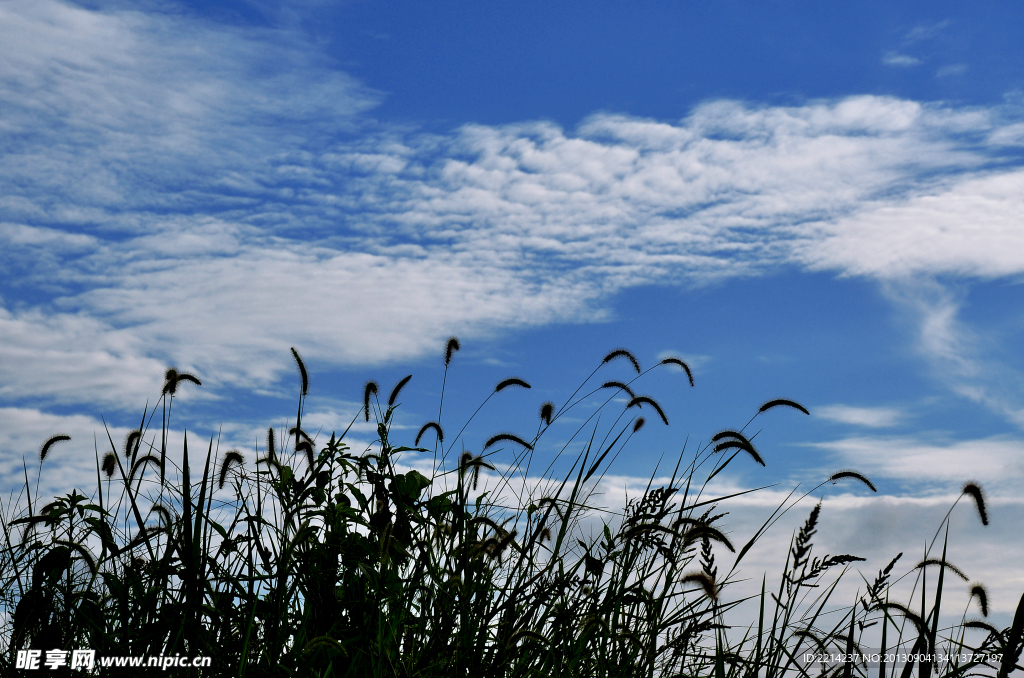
309, 558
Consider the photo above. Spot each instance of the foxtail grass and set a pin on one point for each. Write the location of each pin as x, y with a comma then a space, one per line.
394, 560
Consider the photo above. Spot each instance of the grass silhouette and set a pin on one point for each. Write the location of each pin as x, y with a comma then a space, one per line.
321, 561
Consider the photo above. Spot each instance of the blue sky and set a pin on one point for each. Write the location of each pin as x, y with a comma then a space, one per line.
814, 201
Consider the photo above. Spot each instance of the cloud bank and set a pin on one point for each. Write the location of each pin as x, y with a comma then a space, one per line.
183, 192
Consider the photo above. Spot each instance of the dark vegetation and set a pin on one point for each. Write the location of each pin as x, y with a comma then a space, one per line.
315, 559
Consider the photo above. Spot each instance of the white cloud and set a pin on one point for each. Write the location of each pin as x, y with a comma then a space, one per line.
74, 358
879, 527
121, 110
873, 417
229, 318
966, 360
926, 31
1009, 135
68, 465
996, 461
875, 527
971, 227
515, 226
184, 193
900, 60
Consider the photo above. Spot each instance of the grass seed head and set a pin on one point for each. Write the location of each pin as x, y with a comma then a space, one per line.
546, 410
619, 385
640, 400
170, 381
974, 490
783, 402
109, 464
623, 353
677, 361
472, 465
397, 390
705, 582
511, 437
511, 381
173, 377
232, 457
839, 475
729, 434
465, 463
53, 440
300, 434
948, 565
978, 591
453, 345
302, 371
553, 503
131, 443
370, 388
742, 445
426, 427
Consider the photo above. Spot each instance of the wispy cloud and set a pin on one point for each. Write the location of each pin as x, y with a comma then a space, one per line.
183, 193
1009, 135
951, 70
149, 111
995, 461
962, 358
926, 31
900, 60
873, 417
